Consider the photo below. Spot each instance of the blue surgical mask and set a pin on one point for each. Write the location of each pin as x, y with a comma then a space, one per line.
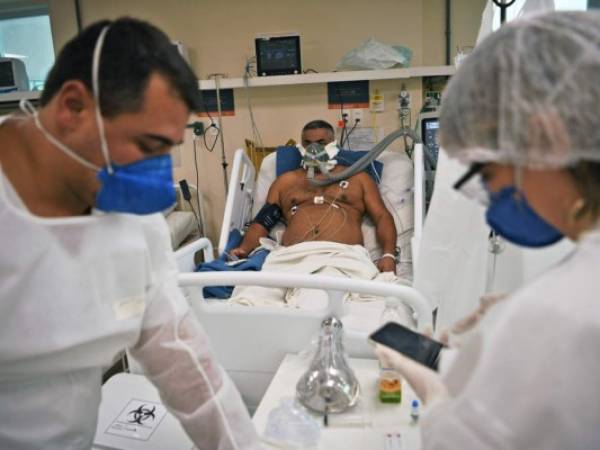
511, 217
141, 187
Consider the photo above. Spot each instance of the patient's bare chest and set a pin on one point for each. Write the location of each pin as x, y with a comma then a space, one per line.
302, 192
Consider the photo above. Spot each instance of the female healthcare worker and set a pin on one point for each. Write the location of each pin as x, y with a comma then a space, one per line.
77, 288
523, 111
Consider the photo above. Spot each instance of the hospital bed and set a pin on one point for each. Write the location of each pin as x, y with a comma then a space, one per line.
251, 342
401, 187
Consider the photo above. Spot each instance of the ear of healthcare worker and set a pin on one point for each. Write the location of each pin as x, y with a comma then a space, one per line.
115, 102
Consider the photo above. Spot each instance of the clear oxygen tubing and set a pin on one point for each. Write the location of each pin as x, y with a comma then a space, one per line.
364, 162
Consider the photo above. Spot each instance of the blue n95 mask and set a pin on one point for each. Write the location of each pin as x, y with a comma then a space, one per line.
141, 187
511, 217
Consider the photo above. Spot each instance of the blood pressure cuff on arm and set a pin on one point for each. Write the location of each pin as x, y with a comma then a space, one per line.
268, 216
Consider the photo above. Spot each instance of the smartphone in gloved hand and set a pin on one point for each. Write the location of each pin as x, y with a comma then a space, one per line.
410, 343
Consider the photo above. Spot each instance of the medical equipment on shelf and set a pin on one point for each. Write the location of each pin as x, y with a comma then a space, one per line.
13, 75
329, 385
278, 55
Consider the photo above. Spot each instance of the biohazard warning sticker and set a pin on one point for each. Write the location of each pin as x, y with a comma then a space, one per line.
138, 420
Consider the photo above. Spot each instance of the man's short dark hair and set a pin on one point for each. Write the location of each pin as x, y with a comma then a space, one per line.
318, 125
133, 50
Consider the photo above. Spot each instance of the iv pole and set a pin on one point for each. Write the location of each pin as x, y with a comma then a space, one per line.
496, 245
224, 163
503, 5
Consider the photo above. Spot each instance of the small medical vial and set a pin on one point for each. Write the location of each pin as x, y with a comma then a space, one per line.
390, 386
414, 410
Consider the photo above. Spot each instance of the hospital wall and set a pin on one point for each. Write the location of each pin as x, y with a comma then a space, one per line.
220, 36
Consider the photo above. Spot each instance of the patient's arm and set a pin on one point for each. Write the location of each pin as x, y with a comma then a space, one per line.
255, 230
250, 241
384, 223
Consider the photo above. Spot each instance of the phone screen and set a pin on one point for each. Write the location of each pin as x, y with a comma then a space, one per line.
410, 343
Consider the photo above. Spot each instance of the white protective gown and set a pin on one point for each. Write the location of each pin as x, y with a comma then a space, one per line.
73, 293
528, 378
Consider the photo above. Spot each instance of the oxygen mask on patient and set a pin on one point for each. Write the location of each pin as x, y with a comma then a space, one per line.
318, 156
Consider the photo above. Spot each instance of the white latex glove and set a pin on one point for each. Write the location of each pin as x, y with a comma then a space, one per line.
426, 383
454, 334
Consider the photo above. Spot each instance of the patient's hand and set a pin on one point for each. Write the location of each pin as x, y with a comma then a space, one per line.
239, 252
386, 265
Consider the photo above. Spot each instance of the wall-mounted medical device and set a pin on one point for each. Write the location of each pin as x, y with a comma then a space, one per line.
13, 75
278, 55
430, 124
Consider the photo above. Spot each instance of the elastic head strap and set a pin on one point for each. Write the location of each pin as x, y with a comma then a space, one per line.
96, 92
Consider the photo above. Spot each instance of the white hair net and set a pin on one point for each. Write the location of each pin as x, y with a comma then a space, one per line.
529, 95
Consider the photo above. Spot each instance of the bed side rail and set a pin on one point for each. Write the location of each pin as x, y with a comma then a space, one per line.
336, 287
238, 206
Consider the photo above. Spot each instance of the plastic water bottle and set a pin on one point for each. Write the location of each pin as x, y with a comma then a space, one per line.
392, 312
390, 383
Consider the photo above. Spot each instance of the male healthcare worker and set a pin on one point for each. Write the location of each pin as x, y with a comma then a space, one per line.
522, 111
86, 268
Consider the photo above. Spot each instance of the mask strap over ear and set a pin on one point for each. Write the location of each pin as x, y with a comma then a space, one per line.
27, 107
96, 92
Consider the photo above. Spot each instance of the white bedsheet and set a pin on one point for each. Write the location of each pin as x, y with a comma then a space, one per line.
325, 258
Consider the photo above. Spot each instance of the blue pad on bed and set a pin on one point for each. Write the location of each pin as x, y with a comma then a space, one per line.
254, 262
289, 158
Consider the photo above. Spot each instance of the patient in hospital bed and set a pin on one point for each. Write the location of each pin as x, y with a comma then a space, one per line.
323, 230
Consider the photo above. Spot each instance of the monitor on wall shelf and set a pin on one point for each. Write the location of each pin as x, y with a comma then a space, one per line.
278, 55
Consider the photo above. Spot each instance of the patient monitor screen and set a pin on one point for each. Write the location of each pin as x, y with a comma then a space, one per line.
278, 55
